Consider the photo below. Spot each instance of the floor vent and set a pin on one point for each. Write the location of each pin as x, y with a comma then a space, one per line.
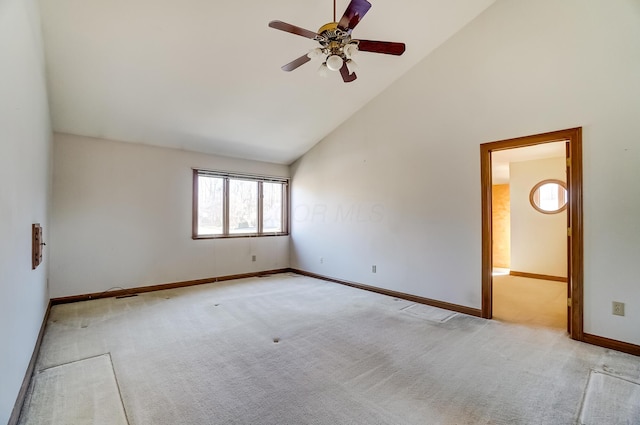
126, 296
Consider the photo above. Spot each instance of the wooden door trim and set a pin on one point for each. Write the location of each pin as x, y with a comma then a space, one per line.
574, 183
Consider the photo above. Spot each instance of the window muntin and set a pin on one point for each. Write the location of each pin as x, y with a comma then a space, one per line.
235, 205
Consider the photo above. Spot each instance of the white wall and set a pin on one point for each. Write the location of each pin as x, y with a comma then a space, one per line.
121, 217
25, 140
538, 241
521, 68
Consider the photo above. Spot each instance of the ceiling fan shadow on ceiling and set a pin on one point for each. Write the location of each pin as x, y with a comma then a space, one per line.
337, 48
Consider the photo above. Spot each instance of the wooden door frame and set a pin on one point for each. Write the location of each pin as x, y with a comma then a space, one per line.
574, 188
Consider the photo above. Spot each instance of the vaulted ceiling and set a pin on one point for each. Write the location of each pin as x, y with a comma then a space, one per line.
204, 75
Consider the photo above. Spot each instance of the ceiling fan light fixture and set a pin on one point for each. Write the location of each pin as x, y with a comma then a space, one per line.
323, 71
337, 47
334, 62
350, 50
351, 66
315, 54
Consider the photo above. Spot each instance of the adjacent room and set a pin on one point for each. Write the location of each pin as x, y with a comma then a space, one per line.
529, 219
284, 212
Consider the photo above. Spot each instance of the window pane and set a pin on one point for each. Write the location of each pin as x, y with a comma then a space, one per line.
551, 198
210, 213
243, 206
271, 207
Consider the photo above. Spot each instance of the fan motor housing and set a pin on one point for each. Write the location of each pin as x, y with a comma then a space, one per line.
331, 32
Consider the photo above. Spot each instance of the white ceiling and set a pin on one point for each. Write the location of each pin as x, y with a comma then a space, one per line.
500, 160
204, 75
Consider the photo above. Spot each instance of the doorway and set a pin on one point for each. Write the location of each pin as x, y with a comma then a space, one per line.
573, 139
529, 235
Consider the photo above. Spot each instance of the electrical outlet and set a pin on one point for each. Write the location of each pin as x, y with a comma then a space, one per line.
321, 260
373, 268
618, 308
253, 258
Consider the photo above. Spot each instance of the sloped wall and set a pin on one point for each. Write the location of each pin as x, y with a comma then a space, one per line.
409, 161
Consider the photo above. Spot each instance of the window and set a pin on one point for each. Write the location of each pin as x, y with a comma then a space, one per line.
549, 196
235, 205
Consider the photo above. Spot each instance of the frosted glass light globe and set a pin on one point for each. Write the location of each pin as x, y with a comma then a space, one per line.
350, 50
315, 54
334, 62
351, 66
322, 71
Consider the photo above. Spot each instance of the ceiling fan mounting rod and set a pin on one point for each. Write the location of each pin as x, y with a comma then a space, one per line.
334, 10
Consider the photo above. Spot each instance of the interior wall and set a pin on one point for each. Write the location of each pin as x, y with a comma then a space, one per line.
122, 213
408, 164
538, 241
501, 225
25, 140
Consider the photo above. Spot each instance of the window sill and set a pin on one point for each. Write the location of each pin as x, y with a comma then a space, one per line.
248, 235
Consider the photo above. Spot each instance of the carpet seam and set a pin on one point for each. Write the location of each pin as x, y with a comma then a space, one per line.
584, 397
74, 361
603, 372
115, 377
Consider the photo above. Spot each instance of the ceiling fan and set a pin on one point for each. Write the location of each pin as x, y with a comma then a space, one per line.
337, 48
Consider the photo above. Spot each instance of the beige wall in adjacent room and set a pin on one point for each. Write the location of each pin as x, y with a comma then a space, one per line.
121, 217
538, 241
500, 207
25, 173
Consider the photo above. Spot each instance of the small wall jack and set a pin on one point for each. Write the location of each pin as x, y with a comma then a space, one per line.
618, 308
374, 269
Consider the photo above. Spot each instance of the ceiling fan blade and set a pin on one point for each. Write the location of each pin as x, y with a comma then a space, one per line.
346, 77
296, 63
386, 47
354, 13
283, 26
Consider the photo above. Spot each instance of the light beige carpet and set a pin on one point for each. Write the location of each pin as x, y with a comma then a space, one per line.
528, 301
294, 350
